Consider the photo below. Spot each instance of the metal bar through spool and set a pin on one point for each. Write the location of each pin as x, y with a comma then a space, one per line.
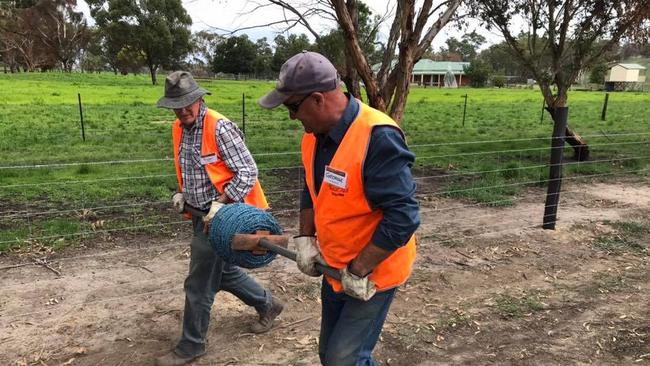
330, 271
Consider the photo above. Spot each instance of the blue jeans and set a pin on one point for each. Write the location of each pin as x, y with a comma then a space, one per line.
350, 328
208, 275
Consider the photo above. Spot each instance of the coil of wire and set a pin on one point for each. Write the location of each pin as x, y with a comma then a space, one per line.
241, 218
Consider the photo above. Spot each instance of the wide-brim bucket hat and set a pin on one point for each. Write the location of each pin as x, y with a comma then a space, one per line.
181, 90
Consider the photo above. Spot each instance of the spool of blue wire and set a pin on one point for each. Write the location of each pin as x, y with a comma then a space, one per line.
240, 218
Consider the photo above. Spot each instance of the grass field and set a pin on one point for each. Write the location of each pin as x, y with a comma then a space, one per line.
53, 183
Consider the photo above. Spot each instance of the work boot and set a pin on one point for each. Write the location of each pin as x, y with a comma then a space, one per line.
265, 322
172, 359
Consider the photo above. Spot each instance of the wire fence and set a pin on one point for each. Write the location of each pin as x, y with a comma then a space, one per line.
504, 228
481, 169
29, 220
467, 172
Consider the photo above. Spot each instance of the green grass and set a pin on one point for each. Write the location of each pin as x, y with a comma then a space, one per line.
39, 124
618, 245
450, 319
516, 307
627, 238
629, 228
603, 283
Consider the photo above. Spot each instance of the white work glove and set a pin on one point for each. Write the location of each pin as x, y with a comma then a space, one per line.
361, 288
178, 200
307, 255
207, 219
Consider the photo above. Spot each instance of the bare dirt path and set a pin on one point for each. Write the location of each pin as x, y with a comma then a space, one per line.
489, 287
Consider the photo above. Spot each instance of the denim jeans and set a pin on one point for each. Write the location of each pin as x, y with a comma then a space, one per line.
350, 328
208, 275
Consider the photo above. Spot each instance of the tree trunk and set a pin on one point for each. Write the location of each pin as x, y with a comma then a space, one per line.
351, 79
152, 71
402, 88
404, 67
351, 40
352, 82
560, 116
579, 144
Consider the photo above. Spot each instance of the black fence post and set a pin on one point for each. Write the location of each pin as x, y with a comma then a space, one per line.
560, 116
604, 114
541, 116
81, 117
464, 109
243, 112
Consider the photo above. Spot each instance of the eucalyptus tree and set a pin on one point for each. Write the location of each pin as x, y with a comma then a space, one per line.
160, 29
412, 30
562, 39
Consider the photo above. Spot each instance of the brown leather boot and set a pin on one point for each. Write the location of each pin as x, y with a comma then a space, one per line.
172, 359
265, 322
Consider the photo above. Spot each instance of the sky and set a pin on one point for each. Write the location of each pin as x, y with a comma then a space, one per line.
233, 14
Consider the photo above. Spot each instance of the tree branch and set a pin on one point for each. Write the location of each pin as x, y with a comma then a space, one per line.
302, 19
356, 54
436, 27
389, 53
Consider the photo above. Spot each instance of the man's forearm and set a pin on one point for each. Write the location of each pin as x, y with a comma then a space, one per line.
368, 259
306, 225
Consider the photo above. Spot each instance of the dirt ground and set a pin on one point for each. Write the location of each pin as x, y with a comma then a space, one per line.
489, 287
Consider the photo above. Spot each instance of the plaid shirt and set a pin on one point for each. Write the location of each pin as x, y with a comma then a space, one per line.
197, 187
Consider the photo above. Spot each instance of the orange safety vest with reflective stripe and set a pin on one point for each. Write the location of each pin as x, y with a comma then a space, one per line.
344, 220
217, 170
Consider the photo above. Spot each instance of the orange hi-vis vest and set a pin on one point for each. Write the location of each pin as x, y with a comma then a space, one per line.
344, 220
217, 170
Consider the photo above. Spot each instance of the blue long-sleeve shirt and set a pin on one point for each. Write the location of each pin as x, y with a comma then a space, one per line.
388, 183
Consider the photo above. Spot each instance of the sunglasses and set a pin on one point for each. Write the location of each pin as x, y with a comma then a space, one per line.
295, 106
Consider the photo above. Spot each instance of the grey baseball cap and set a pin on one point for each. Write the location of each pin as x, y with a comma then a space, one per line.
304, 73
180, 91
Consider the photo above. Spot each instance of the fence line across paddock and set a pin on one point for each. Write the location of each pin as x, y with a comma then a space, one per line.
455, 221
84, 211
274, 212
25, 165
8, 215
481, 172
135, 228
448, 192
70, 306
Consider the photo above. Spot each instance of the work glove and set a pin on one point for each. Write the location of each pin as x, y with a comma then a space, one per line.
178, 200
307, 255
207, 219
361, 288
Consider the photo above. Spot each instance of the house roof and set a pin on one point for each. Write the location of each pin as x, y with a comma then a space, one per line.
630, 66
426, 67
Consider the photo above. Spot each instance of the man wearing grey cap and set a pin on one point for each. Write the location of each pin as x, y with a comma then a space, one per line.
358, 211
213, 168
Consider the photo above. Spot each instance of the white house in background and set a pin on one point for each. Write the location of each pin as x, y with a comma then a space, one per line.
432, 73
622, 76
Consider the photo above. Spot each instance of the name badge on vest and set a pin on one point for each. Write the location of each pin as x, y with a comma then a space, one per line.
337, 178
209, 159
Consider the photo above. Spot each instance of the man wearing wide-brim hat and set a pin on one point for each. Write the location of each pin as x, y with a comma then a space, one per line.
213, 168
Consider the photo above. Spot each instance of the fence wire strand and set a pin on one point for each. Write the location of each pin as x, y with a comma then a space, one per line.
422, 242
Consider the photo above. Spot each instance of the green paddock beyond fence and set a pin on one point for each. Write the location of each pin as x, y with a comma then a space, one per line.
58, 189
